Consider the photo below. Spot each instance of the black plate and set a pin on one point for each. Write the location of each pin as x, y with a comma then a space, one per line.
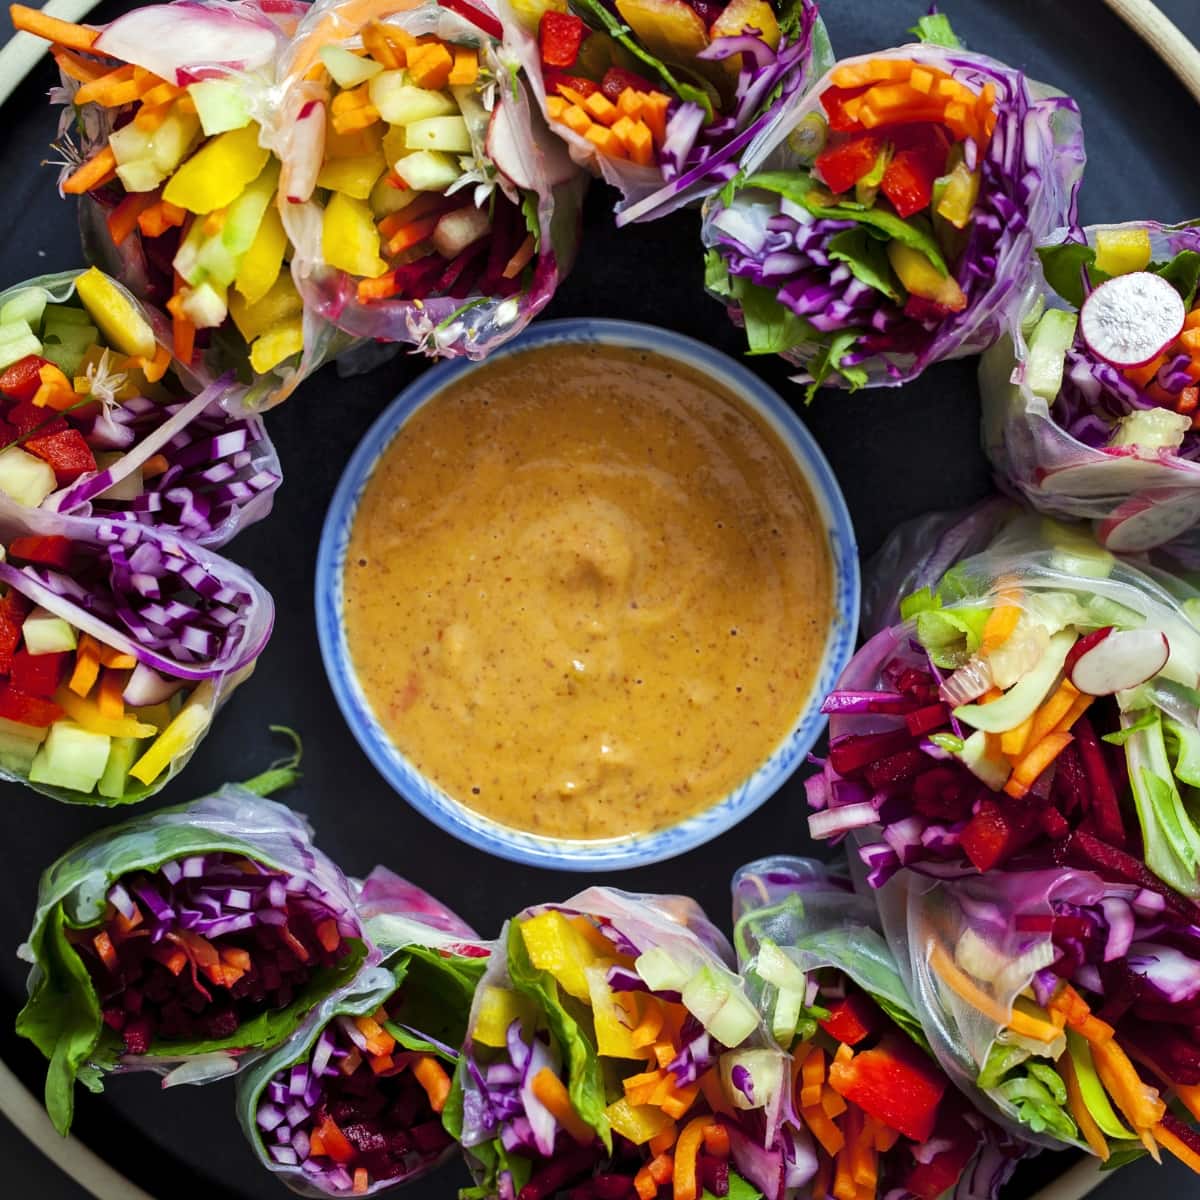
897, 454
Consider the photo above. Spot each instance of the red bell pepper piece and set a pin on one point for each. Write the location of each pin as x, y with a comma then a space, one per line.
923, 310
14, 608
895, 1083
38, 674
833, 101
843, 165
853, 1019
552, 77
21, 380
617, 79
53, 550
928, 1181
27, 418
920, 158
18, 706
988, 836
68, 455
559, 37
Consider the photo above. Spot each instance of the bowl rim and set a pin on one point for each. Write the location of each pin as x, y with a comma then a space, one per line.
627, 851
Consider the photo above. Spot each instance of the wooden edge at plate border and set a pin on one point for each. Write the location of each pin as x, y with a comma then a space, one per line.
86, 1167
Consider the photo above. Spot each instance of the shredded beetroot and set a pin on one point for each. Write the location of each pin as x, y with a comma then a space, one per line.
193, 951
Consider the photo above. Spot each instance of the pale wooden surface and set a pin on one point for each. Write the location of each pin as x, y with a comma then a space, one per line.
1164, 37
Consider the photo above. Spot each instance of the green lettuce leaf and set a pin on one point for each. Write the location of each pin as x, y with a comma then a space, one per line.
935, 30
1063, 267
829, 362
801, 188
585, 1081
771, 327
866, 256
1182, 273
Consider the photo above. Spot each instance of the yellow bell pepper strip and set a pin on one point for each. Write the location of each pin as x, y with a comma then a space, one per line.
1139, 1103
87, 666
639, 1123
261, 264
716, 1140
55, 390
115, 314
217, 174
180, 736
431, 1075
349, 238
549, 1090
556, 946
86, 713
687, 1150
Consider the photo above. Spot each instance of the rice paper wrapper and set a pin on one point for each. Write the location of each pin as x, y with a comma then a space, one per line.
425, 946
1055, 455
222, 471
638, 923
1031, 173
62, 1016
240, 41
515, 153
699, 155
212, 594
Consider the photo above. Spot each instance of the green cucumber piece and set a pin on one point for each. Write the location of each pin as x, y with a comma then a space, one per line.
1023, 698
1047, 354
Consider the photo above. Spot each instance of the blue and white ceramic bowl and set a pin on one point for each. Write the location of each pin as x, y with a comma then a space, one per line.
634, 850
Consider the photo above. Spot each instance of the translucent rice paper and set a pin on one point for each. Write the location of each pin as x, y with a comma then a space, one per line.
62, 1016
1033, 167
1140, 497
676, 924
396, 916
215, 677
648, 193
533, 164
173, 433
817, 920
920, 914
189, 40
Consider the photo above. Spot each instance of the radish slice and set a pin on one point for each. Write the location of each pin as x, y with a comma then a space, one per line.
524, 160
302, 162
1111, 660
1130, 320
175, 40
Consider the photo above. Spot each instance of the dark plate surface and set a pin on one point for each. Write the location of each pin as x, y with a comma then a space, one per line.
897, 454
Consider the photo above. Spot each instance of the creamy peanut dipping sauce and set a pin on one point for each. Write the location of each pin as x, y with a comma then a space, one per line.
587, 591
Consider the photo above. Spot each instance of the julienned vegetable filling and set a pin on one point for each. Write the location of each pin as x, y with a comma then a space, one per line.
88, 416
682, 1106
633, 107
412, 205
363, 1109
1154, 405
84, 715
199, 948
869, 246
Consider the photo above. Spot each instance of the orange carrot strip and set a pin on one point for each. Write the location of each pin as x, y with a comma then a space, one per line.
381, 1063
1051, 712
660, 1143
650, 1025
1013, 742
87, 666
124, 218
63, 33
520, 259
1001, 621
549, 1089
654, 113
94, 173
155, 465
812, 1077
662, 1167
1078, 707
644, 1185
823, 1178
679, 1100
1189, 1097
1078, 1109
116, 659
104, 948
109, 699
687, 1150
83, 70
383, 287
1177, 1147
831, 1102
948, 971
824, 1130
97, 91
716, 1140
1034, 761
412, 234
885, 1138
361, 1181
1139, 1102
466, 66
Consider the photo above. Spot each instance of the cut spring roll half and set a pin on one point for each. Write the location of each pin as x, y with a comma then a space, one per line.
1039, 698
872, 1112
353, 1101
98, 419
1091, 401
1065, 1002
889, 221
662, 97
426, 200
613, 1053
184, 941
118, 642
165, 134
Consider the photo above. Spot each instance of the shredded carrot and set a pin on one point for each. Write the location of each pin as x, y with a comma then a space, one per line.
381, 1063
1189, 1096
1078, 707
104, 948
678, 1100
1014, 741
361, 1181
1177, 1147
1079, 1111
1034, 761
109, 699
381, 48
885, 1138
644, 1184
844, 1187
87, 666
823, 1129
411, 235
665, 1053
520, 259
1139, 1102
650, 1025
160, 217
114, 83
94, 173
125, 924
831, 1102
661, 1142
183, 338
687, 1149
153, 370
662, 1168
316, 1143
948, 971
864, 1166
1046, 719
1001, 621
383, 287
1078, 1016
116, 659
73, 66
155, 465
549, 1089
812, 1077
328, 934
716, 1140
63, 33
